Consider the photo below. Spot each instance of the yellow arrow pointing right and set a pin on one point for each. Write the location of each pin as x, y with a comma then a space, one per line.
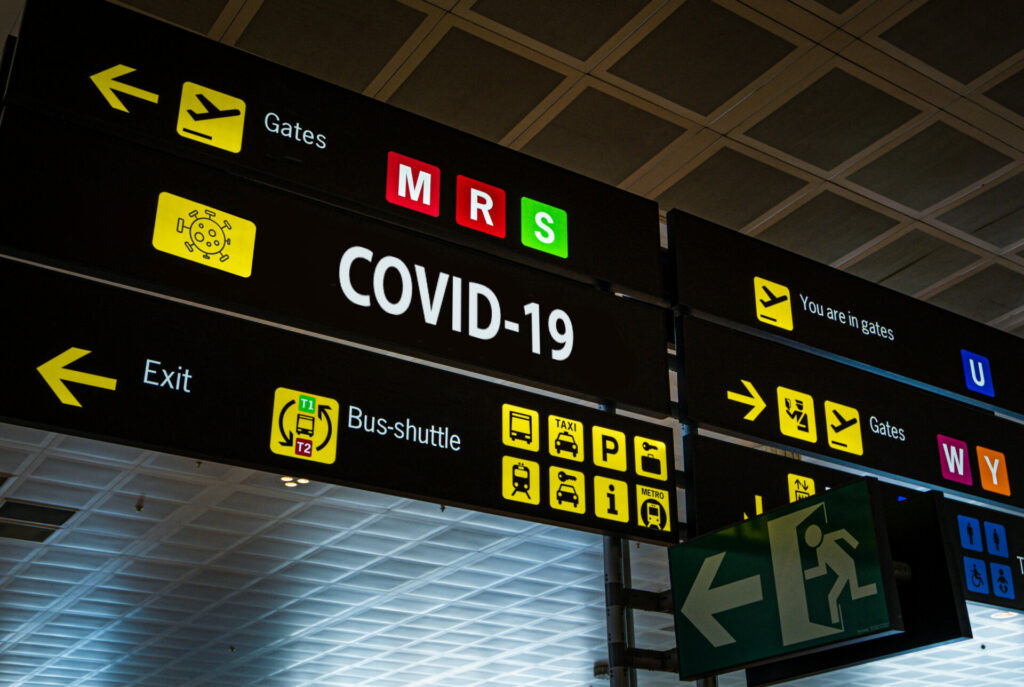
107, 82
754, 400
55, 374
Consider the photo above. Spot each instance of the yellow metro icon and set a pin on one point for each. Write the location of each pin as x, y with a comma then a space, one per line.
773, 304
211, 117
202, 234
520, 480
652, 506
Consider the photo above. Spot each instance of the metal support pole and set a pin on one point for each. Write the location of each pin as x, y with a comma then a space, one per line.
615, 612
627, 584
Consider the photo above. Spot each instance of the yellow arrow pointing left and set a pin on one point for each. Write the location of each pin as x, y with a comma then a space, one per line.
107, 82
55, 374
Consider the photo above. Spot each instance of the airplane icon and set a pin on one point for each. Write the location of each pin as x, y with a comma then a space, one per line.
772, 298
772, 303
843, 430
212, 111
211, 117
843, 422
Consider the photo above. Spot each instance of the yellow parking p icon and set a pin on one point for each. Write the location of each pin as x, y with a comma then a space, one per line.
652, 506
609, 448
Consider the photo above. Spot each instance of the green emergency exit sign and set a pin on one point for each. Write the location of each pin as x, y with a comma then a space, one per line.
813, 574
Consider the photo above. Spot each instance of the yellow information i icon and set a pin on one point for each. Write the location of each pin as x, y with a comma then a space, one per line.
211, 117
611, 499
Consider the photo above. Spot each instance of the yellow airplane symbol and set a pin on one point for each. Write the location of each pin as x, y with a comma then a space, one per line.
55, 374
107, 82
843, 422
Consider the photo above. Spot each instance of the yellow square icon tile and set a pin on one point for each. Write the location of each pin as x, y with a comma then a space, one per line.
567, 489
520, 480
796, 415
609, 448
651, 458
842, 427
520, 427
773, 304
201, 234
653, 508
800, 487
611, 499
304, 426
211, 117
565, 438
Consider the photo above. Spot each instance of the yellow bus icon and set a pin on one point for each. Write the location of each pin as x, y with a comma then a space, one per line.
211, 237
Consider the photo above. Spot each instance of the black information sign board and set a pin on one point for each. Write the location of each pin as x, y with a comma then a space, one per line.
731, 276
728, 481
753, 387
990, 554
91, 359
136, 77
110, 207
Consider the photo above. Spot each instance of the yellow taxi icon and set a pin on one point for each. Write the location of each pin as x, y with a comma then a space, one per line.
565, 437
